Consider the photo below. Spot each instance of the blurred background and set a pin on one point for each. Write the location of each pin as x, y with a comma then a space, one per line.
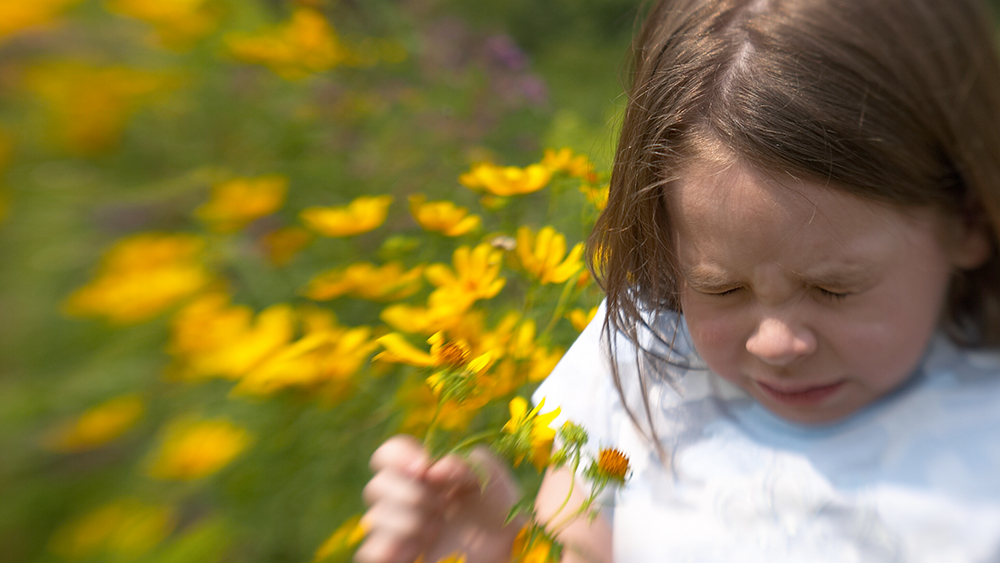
212, 210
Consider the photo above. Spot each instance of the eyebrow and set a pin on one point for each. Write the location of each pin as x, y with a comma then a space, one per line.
843, 276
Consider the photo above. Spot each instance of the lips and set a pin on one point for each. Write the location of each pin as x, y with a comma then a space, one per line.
802, 395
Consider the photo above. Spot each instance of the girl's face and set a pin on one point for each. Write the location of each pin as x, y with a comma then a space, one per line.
814, 301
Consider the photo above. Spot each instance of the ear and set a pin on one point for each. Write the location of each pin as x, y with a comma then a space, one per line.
972, 245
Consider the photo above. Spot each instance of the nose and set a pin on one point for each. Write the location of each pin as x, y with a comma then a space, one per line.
778, 343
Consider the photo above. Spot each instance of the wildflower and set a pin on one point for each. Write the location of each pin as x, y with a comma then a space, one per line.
442, 216
613, 464
127, 528
304, 45
239, 201
544, 255
598, 197
178, 23
360, 216
475, 275
26, 15
366, 281
580, 318
543, 361
99, 425
211, 338
421, 406
563, 160
506, 180
282, 245
343, 539
89, 106
140, 276
327, 357
440, 314
533, 546
454, 354
529, 432
195, 449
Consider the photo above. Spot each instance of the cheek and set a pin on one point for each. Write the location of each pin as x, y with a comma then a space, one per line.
716, 335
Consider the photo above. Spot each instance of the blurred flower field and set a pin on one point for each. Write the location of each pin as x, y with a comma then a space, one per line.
245, 241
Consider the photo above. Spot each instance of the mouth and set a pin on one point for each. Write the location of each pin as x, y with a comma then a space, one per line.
800, 396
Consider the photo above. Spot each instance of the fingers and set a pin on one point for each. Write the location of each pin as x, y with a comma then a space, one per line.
401, 453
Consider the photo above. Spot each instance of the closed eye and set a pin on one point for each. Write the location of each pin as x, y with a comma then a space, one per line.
834, 295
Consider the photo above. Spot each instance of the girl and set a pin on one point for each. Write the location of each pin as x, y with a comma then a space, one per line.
803, 288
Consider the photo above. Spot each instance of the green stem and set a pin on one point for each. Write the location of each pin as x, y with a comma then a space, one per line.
561, 304
429, 435
468, 441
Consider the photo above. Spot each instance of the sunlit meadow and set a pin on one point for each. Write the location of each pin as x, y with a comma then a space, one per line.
245, 241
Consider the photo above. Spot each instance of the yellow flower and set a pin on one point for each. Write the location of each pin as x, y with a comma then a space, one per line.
89, 106
447, 354
475, 275
580, 318
360, 216
531, 548
211, 338
598, 197
239, 201
544, 256
442, 216
543, 361
24, 15
325, 357
127, 528
366, 281
281, 245
178, 23
506, 180
194, 449
140, 276
343, 539
304, 45
440, 314
577, 166
534, 429
421, 406
99, 425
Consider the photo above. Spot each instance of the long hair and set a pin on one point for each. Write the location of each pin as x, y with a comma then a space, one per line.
892, 100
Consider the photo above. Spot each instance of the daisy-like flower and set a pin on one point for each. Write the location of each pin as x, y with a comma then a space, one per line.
475, 275
360, 216
239, 201
126, 529
563, 160
140, 276
529, 433
531, 546
366, 281
544, 255
343, 539
305, 44
442, 216
613, 464
196, 449
506, 180
580, 318
99, 425
454, 354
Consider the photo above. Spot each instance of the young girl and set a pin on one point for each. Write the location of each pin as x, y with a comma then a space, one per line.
803, 291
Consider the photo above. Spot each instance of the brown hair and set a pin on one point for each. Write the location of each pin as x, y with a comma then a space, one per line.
894, 100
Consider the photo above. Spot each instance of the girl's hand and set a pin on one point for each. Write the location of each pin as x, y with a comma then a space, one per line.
439, 509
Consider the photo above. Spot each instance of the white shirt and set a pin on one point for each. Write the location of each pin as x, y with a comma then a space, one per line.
914, 477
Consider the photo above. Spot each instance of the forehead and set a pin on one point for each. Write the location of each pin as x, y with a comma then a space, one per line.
733, 211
